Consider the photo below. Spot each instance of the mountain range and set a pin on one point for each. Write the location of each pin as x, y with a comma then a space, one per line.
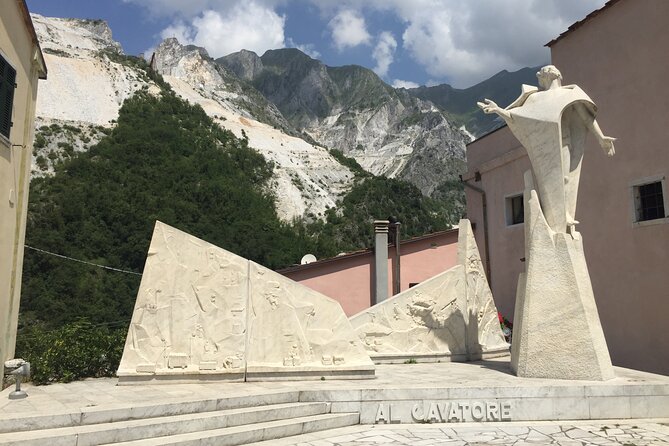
299, 113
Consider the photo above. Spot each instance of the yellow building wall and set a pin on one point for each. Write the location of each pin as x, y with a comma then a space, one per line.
18, 48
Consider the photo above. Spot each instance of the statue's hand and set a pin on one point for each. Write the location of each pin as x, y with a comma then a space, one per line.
607, 145
489, 106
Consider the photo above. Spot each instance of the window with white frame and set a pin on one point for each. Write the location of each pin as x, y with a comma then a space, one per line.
515, 209
649, 201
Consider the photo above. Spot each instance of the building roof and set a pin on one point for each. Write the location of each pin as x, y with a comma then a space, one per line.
486, 134
362, 252
31, 29
582, 22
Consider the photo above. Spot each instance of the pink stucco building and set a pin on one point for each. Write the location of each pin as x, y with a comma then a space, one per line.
618, 55
349, 278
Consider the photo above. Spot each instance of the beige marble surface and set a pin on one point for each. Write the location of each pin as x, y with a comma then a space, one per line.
557, 332
451, 316
394, 382
603, 433
205, 313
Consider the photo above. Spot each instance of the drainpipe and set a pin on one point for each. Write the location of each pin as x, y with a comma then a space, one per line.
380, 261
395, 239
485, 223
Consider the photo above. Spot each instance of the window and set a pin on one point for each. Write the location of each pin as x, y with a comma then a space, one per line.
515, 209
649, 201
7, 85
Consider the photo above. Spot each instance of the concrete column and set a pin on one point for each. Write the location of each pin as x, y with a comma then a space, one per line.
380, 261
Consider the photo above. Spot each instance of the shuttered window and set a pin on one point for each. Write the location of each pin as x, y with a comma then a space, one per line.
7, 81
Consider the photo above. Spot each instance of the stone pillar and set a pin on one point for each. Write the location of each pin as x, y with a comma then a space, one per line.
380, 261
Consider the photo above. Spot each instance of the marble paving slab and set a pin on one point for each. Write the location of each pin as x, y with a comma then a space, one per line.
631, 394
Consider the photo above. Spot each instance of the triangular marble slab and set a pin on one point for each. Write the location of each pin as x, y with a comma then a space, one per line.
191, 320
449, 317
485, 337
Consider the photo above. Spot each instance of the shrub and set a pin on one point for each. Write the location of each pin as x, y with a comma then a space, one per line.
42, 162
73, 351
40, 141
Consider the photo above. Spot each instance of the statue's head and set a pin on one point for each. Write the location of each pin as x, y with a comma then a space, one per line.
547, 75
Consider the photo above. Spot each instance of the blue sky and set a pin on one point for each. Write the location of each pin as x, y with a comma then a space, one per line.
407, 42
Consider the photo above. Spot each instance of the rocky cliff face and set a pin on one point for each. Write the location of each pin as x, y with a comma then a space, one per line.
86, 82
86, 86
193, 65
388, 131
292, 108
89, 78
245, 64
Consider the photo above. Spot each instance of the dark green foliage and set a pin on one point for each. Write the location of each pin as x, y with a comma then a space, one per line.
71, 128
350, 226
73, 351
41, 162
67, 148
40, 141
351, 163
166, 160
450, 197
55, 52
138, 63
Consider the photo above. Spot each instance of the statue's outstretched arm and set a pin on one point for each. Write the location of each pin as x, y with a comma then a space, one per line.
489, 106
606, 142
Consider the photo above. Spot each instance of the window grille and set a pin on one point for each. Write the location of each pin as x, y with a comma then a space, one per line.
649, 201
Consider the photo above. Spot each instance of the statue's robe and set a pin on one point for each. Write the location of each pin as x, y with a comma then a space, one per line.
553, 132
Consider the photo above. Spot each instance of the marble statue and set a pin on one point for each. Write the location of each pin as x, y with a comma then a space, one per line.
204, 313
557, 331
449, 317
551, 122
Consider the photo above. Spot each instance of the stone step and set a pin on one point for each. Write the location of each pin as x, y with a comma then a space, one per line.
148, 428
113, 413
250, 433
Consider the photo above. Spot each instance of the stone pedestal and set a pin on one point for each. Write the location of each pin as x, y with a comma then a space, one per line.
557, 332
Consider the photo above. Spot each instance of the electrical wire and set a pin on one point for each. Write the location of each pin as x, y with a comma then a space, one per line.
83, 261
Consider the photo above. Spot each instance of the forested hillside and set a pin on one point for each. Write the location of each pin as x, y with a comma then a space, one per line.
167, 160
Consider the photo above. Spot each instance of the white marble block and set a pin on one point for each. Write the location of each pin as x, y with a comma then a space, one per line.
205, 313
557, 332
450, 316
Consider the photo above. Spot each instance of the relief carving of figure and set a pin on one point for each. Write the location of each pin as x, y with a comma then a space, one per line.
551, 122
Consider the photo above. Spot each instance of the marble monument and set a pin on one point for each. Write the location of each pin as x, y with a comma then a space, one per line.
203, 313
449, 317
557, 332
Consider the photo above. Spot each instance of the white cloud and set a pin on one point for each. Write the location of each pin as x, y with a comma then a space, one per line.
349, 29
249, 25
461, 42
464, 42
179, 30
399, 83
307, 48
384, 53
